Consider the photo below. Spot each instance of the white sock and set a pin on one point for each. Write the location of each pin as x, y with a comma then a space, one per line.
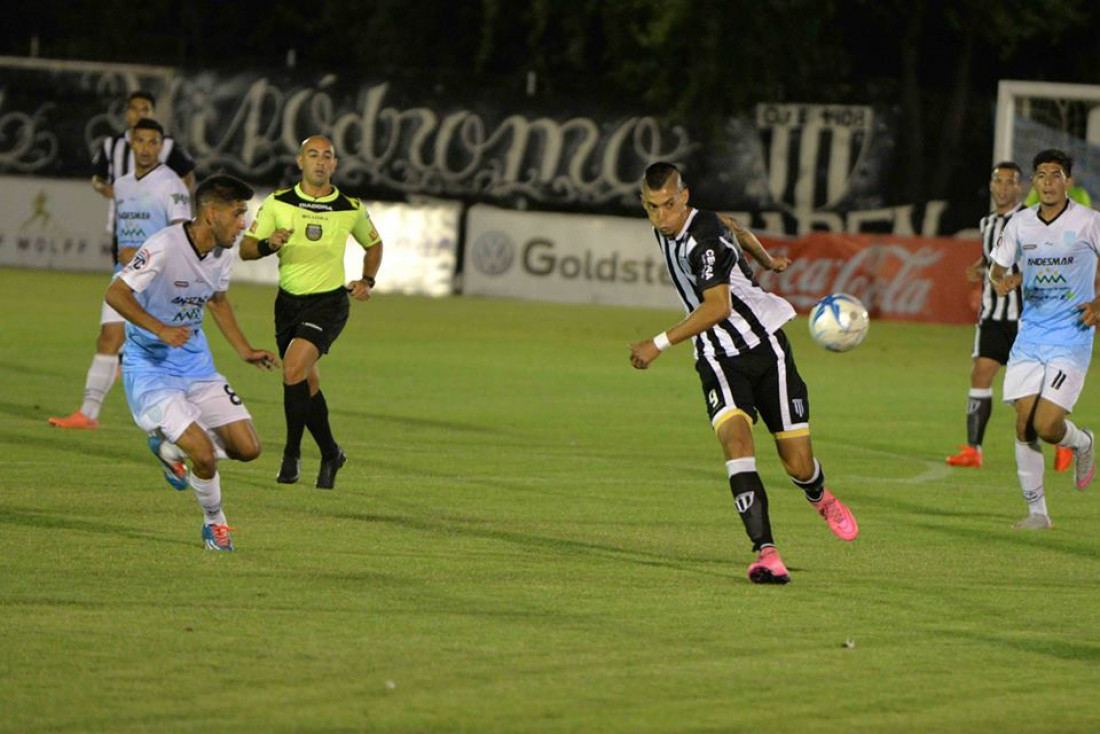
1075, 438
101, 376
171, 452
1029, 468
209, 494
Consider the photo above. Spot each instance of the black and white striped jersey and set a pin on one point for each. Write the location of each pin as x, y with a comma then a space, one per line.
706, 254
115, 158
994, 307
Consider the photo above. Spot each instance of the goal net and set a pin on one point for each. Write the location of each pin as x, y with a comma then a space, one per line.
1032, 116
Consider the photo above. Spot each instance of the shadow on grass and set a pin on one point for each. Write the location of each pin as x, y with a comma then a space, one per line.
67, 441
49, 521
561, 546
1073, 651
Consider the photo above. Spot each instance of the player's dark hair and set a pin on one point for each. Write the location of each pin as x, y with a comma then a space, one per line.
1007, 166
146, 124
657, 175
1053, 155
223, 189
143, 94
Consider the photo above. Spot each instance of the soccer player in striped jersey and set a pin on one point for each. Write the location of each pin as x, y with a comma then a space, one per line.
147, 199
997, 320
742, 356
175, 393
1056, 245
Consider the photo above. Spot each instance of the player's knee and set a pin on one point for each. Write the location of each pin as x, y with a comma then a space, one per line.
203, 462
246, 451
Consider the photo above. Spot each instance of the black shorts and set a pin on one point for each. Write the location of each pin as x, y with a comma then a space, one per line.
318, 318
993, 340
762, 380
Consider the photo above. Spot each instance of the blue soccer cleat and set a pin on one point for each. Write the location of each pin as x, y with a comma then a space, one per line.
175, 473
216, 537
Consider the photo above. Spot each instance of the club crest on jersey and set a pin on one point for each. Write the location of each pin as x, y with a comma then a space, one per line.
313, 232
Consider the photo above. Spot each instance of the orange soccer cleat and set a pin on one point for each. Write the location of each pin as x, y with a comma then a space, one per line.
76, 420
968, 456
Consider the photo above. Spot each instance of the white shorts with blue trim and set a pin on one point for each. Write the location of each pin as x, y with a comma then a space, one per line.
1054, 373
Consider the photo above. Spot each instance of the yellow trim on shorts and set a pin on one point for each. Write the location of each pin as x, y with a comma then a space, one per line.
797, 433
726, 416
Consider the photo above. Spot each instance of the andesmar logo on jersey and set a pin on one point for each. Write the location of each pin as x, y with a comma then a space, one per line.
190, 308
1048, 283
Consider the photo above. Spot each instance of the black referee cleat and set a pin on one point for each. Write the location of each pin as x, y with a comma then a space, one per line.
326, 477
289, 470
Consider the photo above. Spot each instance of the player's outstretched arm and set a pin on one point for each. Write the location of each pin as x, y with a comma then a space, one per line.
750, 244
226, 319
714, 308
120, 297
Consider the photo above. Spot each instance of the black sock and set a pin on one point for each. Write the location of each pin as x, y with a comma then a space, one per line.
814, 487
296, 407
319, 427
978, 410
752, 503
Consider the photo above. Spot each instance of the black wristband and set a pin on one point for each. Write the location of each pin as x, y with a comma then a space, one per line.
369, 279
264, 248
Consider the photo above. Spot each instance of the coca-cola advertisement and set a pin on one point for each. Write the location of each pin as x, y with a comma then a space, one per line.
897, 278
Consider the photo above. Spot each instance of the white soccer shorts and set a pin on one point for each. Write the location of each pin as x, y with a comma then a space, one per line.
1056, 374
171, 404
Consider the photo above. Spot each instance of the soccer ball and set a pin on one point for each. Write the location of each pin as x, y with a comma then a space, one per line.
839, 322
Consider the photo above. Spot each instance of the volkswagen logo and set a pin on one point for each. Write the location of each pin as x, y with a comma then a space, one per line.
492, 253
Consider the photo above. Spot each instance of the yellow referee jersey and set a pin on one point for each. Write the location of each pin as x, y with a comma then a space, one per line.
312, 260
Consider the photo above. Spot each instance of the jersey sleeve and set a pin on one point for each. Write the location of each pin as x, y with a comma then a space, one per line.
230, 255
179, 161
363, 231
179, 202
145, 266
1005, 249
264, 223
711, 260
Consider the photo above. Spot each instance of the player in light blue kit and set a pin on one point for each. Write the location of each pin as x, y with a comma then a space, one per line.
1056, 245
175, 393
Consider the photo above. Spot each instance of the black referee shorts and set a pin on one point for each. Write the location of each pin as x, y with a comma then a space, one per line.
318, 318
993, 339
762, 380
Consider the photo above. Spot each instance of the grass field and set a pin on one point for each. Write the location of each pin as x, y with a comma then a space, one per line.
531, 536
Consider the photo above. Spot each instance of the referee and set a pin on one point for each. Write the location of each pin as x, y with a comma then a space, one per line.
307, 227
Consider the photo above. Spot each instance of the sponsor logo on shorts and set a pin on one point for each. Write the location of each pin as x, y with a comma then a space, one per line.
314, 232
799, 407
312, 326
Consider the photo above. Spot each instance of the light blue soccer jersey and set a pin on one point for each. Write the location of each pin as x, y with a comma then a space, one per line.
146, 205
173, 284
1058, 262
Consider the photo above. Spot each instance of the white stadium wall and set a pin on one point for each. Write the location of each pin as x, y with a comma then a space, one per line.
61, 224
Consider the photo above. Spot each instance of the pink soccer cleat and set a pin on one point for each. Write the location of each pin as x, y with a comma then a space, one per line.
841, 520
769, 568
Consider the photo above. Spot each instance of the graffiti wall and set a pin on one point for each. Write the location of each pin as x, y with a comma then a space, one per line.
785, 168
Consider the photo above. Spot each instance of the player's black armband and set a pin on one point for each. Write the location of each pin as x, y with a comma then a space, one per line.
264, 248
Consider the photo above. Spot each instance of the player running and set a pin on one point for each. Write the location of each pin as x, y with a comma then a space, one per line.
1055, 245
174, 391
742, 356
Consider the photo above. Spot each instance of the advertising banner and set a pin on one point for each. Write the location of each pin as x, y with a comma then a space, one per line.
615, 260
53, 223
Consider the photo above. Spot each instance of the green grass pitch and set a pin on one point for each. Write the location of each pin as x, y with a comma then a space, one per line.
531, 536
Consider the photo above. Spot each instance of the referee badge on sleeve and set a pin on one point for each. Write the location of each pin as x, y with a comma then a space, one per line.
313, 232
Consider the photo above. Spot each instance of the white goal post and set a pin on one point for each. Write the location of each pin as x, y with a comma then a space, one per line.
1035, 115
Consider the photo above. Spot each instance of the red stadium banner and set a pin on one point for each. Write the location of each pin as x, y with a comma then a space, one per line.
897, 278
